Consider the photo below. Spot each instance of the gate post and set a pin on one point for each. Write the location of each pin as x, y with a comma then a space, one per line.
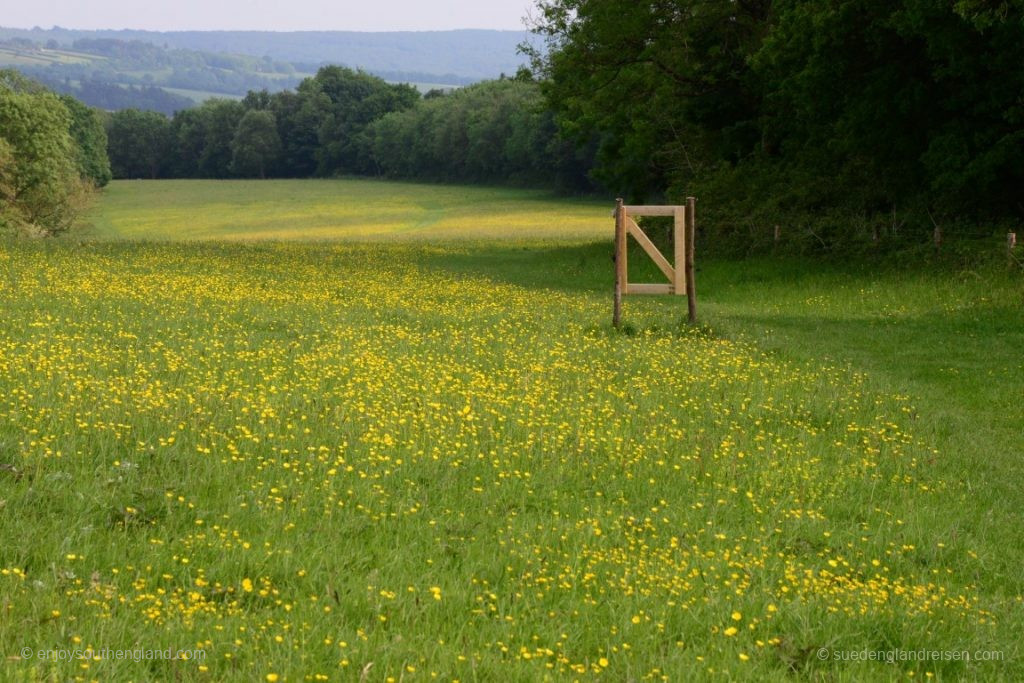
620, 262
691, 287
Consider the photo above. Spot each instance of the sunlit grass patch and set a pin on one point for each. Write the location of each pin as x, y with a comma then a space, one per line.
337, 209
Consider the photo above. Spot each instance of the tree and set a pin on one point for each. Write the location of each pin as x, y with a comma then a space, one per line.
189, 136
221, 119
139, 143
901, 102
796, 106
494, 131
298, 115
40, 188
256, 144
662, 86
8, 186
348, 102
90, 136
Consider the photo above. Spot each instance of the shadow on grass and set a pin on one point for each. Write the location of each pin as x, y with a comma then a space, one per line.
962, 359
589, 266
586, 267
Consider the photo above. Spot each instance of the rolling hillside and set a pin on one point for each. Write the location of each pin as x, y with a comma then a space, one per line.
432, 56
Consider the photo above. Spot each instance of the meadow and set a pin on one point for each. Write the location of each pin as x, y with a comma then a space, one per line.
351, 430
354, 209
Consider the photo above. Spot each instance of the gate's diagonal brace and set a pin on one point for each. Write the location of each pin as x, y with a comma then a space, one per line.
663, 265
679, 274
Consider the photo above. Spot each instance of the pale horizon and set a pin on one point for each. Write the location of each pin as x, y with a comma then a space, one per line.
267, 15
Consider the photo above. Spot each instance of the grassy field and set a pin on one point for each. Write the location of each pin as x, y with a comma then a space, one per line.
17, 57
421, 453
200, 96
329, 209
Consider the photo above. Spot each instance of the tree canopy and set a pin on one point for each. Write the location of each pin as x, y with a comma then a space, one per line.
90, 136
795, 105
348, 122
256, 143
138, 143
44, 174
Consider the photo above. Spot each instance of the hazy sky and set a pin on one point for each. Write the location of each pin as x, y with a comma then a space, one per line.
266, 15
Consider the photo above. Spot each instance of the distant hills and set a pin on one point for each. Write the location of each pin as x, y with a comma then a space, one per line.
456, 57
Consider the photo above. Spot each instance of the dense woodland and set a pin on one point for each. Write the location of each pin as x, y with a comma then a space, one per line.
344, 122
844, 121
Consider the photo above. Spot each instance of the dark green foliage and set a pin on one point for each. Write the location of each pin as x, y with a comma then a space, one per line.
658, 86
899, 102
139, 143
256, 143
347, 102
348, 122
797, 110
298, 121
220, 122
43, 172
90, 136
496, 131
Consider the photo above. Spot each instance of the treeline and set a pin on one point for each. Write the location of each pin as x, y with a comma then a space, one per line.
847, 119
112, 96
315, 130
52, 156
143, 55
493, 132
348, 122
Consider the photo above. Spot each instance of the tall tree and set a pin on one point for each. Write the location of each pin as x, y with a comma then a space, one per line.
189, 131
350, 101
90, 136
298, 115
809, 105
661, 86
495, 131
256, 144
139, 142
900, 102
40, 187
221, 121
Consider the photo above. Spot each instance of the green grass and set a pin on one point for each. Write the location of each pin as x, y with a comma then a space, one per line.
200, 96
19, 57
407, 445
427, 87
332, 209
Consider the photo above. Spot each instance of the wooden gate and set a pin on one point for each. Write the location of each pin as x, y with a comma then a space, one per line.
679, 273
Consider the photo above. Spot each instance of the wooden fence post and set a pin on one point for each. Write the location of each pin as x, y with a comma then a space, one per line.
679, 241
1011, 244
691, 286
620, 262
